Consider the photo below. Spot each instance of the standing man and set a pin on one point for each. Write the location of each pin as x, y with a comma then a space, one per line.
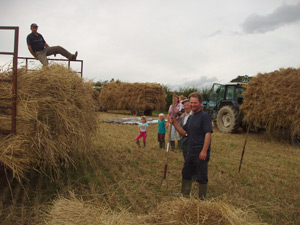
198, 129
40, 49
183, 119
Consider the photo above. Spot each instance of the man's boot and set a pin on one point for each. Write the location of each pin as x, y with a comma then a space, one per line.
172, 145
163, 145
74, 57
138, 143
186, 187
144, 144
202, 191
160, 145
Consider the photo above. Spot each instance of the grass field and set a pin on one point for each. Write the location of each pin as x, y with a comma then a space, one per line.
120, 176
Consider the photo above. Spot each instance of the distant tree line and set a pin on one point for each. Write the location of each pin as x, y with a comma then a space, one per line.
242, 79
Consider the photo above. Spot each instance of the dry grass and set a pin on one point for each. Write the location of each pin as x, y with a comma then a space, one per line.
76, 211
120, 180
178, 211
56, 117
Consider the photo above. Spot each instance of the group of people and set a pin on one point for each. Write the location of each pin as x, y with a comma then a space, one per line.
189, 122
194, 128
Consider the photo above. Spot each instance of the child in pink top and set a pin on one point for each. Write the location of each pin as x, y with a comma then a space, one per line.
143, 131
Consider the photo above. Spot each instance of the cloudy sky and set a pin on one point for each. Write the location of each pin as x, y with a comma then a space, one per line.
189, 43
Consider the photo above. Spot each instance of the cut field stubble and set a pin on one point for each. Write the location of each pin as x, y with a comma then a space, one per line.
124, 180
268, 183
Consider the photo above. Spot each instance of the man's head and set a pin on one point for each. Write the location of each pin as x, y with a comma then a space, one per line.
187, 105
34, 27
196, 101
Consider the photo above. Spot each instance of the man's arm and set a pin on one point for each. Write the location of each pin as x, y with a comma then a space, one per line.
32, 52
203, 153
180, 130
46, 45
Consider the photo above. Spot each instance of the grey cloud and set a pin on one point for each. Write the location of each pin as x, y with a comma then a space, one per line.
283, 15
201, 82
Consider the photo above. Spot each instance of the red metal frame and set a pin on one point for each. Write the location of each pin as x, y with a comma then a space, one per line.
13, 80
62, 60
14, 77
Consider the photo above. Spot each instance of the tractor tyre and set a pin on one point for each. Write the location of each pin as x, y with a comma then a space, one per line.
228, 119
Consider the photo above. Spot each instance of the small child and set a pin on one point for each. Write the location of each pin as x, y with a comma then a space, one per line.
162, 124
143, 131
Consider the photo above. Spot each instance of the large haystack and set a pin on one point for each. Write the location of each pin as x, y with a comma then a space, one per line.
179, 211
272, 100
55, 120
132, 96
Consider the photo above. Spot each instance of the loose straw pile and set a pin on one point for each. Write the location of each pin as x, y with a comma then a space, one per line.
56, 119
178, 211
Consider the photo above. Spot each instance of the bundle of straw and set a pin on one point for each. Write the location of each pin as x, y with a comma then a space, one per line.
132, 96
179, 211
272, 101
56, 119
193, 211
76, 211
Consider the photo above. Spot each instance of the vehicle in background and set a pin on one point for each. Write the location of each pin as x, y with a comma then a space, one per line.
223, 106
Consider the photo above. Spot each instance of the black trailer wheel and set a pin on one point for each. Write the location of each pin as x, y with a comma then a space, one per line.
228, 119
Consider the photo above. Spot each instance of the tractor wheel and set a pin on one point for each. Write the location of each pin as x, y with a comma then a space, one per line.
296, 140
228, 119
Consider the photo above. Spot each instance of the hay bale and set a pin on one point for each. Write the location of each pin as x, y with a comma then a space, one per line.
132, 96
272, 101
179, 211
56, 119
193, 211
76, 211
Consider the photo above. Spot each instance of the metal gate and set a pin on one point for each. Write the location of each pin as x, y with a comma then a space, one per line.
9, 104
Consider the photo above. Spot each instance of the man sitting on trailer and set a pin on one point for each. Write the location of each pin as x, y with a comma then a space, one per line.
40, 49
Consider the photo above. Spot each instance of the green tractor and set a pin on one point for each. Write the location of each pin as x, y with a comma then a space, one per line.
223, 106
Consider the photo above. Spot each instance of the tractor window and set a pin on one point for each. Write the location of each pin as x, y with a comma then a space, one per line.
229, 93
221, 93
239, 92
214, 92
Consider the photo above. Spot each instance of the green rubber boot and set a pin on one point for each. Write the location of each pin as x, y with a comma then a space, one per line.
186, 187
202, 191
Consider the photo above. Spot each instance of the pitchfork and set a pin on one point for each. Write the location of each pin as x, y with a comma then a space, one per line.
168, 147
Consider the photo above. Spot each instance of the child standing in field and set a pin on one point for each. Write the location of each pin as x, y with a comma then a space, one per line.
143, 125
161, 130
